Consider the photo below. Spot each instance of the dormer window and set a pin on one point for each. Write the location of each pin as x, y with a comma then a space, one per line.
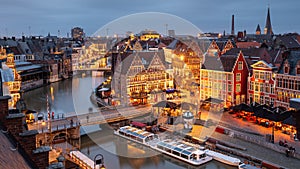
286, 69
298, 70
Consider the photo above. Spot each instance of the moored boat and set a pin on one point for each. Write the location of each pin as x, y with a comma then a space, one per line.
223, 158
182, 151
175, 148
137, 135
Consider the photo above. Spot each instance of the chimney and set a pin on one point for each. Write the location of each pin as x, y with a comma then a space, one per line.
13, 38
232, 25
23, 38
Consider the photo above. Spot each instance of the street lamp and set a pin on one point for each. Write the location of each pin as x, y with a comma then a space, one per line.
99, 160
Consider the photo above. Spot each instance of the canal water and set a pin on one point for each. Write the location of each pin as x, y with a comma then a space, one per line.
73, 95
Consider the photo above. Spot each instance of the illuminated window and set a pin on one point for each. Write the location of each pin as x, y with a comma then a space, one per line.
238, 77
256, 74
256, 87
261, 100
238, 87
261, 87
240, 65
229, 87
267, 88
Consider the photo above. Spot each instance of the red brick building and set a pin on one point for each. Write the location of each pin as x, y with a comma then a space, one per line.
224, 78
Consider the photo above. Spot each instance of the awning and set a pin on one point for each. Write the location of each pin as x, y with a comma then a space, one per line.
30, 73
138, 124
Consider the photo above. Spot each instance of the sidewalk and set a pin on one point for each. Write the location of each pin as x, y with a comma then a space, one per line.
230, 120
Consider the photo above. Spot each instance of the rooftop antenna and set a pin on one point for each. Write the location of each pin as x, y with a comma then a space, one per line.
58, 33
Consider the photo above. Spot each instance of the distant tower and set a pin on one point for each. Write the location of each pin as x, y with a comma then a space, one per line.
232, 25
268, 28
258, 31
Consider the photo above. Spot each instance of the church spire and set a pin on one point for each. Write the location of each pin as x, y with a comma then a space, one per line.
258, 31
268, 28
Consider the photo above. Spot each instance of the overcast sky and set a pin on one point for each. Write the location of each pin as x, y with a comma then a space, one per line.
38, 17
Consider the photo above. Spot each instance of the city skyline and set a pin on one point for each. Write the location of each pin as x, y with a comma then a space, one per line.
39, 18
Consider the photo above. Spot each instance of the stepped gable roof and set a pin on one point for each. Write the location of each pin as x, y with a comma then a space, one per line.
145, 56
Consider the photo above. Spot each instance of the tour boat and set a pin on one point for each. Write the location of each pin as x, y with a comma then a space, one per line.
136, 135
182, 151
223, 158
174, 148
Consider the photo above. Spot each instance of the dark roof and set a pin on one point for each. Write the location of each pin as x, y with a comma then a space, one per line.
254, 54
293, 59
276, 55
228, 62
212, 63
290, 41
13, 49
221, 44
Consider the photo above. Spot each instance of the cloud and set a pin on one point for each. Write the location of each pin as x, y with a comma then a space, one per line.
208, 15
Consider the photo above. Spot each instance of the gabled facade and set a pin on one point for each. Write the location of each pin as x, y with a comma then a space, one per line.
213, 49
288, 80
139, 77
261, 85
224, 78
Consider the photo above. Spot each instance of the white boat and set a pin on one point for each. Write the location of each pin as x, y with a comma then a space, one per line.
137, 135
177, 149
182, 151
223, 158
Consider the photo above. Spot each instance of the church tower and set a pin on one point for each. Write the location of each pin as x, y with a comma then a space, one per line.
258, 31
268, 28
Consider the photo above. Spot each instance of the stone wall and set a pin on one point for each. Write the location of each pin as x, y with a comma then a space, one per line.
3, 107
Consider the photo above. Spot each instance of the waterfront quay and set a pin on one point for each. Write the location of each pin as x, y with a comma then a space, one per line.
92, 144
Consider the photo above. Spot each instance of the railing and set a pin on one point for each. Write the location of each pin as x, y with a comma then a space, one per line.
53, 125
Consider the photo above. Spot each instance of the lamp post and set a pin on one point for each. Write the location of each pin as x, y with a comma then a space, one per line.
99, 160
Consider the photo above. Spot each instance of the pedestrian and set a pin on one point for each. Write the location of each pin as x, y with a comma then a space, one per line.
287, 151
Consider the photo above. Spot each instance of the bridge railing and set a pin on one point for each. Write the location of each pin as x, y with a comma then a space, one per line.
55, 125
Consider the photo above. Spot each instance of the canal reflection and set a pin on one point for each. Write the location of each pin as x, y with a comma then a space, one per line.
74, 95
